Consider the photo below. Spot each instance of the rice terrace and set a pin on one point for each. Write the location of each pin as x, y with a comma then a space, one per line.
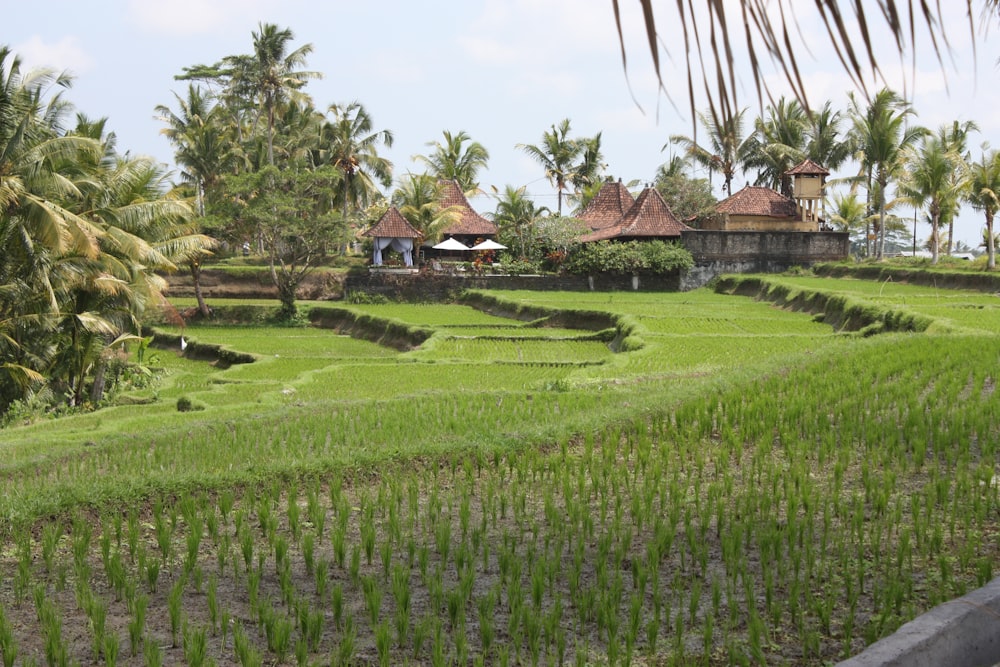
775, 470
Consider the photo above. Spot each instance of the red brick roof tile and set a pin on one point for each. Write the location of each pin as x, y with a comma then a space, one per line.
758, 201
649, 217
807, 168
469, 223
607, 207
392, 224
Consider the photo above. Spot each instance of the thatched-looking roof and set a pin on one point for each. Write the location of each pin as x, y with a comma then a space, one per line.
608, 206
754, 200
469, 223
393, 225
649, 217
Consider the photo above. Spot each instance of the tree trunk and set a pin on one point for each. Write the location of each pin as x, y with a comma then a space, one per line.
199, 294
934, 240
880, 248
991, 251
97, 390
286, 295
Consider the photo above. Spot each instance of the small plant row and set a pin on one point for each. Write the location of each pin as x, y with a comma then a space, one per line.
756, 525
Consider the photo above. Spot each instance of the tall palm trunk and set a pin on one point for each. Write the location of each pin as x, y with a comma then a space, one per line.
991, 251
199, 292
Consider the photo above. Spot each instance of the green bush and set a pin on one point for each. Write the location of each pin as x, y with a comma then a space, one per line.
631, 258
185, 404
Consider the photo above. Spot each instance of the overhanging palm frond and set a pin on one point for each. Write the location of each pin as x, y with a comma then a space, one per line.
713, 42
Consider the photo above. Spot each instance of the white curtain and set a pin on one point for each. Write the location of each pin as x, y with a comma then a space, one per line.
404, 246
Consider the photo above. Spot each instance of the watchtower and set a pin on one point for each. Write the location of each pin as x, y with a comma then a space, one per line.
808, 189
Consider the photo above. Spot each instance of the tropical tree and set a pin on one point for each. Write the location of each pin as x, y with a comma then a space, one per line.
515, 217
457, 158
727, 150
956, 137
38, 228
688, 198
257, 86
557, 154
274, 73
826, 145
849, 213
293, 213
778, 144
350, 144
882, 137
204, 149
588, 172
984, 195
418, 200
929, 182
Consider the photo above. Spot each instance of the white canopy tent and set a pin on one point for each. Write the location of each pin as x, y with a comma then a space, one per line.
488, 244
451, 244
393, 231
401, 245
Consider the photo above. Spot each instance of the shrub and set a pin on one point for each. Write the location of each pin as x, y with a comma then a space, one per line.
185, 404
631, 258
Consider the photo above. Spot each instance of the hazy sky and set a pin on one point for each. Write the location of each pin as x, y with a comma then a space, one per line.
502, 70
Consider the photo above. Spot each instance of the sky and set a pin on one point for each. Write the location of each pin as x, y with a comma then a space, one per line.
504, 71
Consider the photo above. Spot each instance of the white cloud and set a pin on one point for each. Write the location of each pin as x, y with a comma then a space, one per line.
63, 55
182, 18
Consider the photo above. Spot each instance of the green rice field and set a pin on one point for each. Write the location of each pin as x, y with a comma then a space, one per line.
713, 480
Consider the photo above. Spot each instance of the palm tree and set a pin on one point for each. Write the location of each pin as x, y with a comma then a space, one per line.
984, 195
728, 149
32, 153
588, 173
39, 170
274, 75
350, 144
825, 144
956, 137
849, 213
557, 154
418, 200
929, 182
882, 136
516, 214
204, 149
455, 159
779, 144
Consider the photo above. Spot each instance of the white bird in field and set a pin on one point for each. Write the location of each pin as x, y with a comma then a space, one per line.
183, 344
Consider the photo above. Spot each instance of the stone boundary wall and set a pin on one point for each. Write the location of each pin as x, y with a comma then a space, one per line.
964, 632
720, 252
433, 286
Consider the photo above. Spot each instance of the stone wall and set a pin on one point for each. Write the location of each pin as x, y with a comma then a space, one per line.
427, 286
719, 252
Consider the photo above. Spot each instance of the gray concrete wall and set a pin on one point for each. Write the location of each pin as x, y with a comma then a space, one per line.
960, 633
787, 247
429, 285
720, 252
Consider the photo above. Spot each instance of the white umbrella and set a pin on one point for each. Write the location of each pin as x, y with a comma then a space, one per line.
451, 244
488, 244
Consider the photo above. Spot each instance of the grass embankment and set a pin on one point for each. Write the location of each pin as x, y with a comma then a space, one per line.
746, 486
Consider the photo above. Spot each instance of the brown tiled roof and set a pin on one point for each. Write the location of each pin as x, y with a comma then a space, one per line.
759, 201
392, 224
469, 223
807, 168
608, 206
648, 217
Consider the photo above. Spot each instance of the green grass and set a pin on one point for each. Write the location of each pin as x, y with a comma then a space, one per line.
743, 478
